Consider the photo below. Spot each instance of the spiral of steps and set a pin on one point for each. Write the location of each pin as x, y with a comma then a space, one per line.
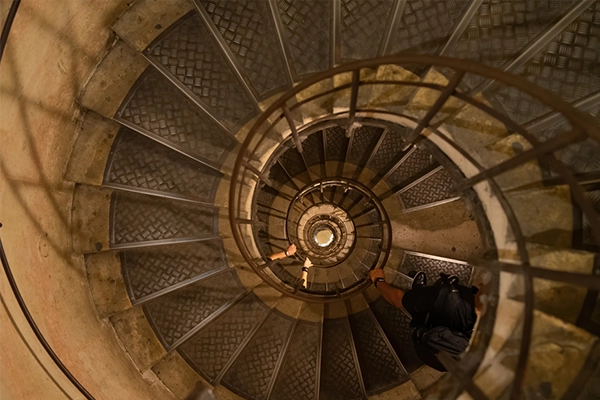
187, 83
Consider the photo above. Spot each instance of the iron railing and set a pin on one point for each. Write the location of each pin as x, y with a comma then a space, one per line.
249, 170
34, 327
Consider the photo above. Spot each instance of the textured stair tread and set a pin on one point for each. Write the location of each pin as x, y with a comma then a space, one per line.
435, 188
145, 20
313, 149
339, 376
425, 26
250, 34
536, 15
398, 279
396, 326
139, 218
580, 157
142, 163
209, 350
433, 266
297, 377
552, 339
292, 161
335, 138
416, 161
191, 56
362, 27
378, 365
251, 373
149, 270
174, 314
158, 107
549, 70
389, 150
307, 30
364, 140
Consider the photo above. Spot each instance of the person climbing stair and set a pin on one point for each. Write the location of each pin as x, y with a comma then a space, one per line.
444, 314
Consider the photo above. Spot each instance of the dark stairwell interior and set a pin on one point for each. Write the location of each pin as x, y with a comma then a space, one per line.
234, 135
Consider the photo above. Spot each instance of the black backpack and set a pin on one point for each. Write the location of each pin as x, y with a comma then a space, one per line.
448, 327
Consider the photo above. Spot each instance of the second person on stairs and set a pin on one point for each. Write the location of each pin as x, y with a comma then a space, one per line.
290, 251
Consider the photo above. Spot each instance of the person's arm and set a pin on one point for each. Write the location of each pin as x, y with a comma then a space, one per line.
291, 250
305, 267
391, 294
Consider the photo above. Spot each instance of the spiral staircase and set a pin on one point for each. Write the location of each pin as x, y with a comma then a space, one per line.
218, 132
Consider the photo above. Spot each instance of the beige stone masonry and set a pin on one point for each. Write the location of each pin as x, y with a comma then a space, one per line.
146, 19
555, 298
107, 283
91, 219
113, 78
91, 149
406, 391
392, 98
425, 98
138, 338
558, 351
176, 374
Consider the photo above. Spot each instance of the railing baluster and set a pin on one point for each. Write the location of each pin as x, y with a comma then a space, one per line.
292, 124
437, 106
546, 147
352, 125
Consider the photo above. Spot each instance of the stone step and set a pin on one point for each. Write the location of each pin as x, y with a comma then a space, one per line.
552, 340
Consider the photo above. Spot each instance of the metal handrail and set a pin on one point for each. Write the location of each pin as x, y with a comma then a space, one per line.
582, 124
34, 327
8, 24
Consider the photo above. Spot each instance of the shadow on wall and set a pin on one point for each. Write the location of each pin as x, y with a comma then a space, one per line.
34, 152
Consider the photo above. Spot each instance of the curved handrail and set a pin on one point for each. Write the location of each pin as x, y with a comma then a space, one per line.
8, 24
582, 126
6, 266
34, 327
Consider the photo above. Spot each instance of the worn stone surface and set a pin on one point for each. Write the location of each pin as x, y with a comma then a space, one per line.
91, 219
176, 374
146, 19
424, 377
425, 98
392, 97
447, 230
319, 107
545, 215
113, 78
312, 312
91, 149
558, 351
406, 391
138, 337
106, 283
557, 298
